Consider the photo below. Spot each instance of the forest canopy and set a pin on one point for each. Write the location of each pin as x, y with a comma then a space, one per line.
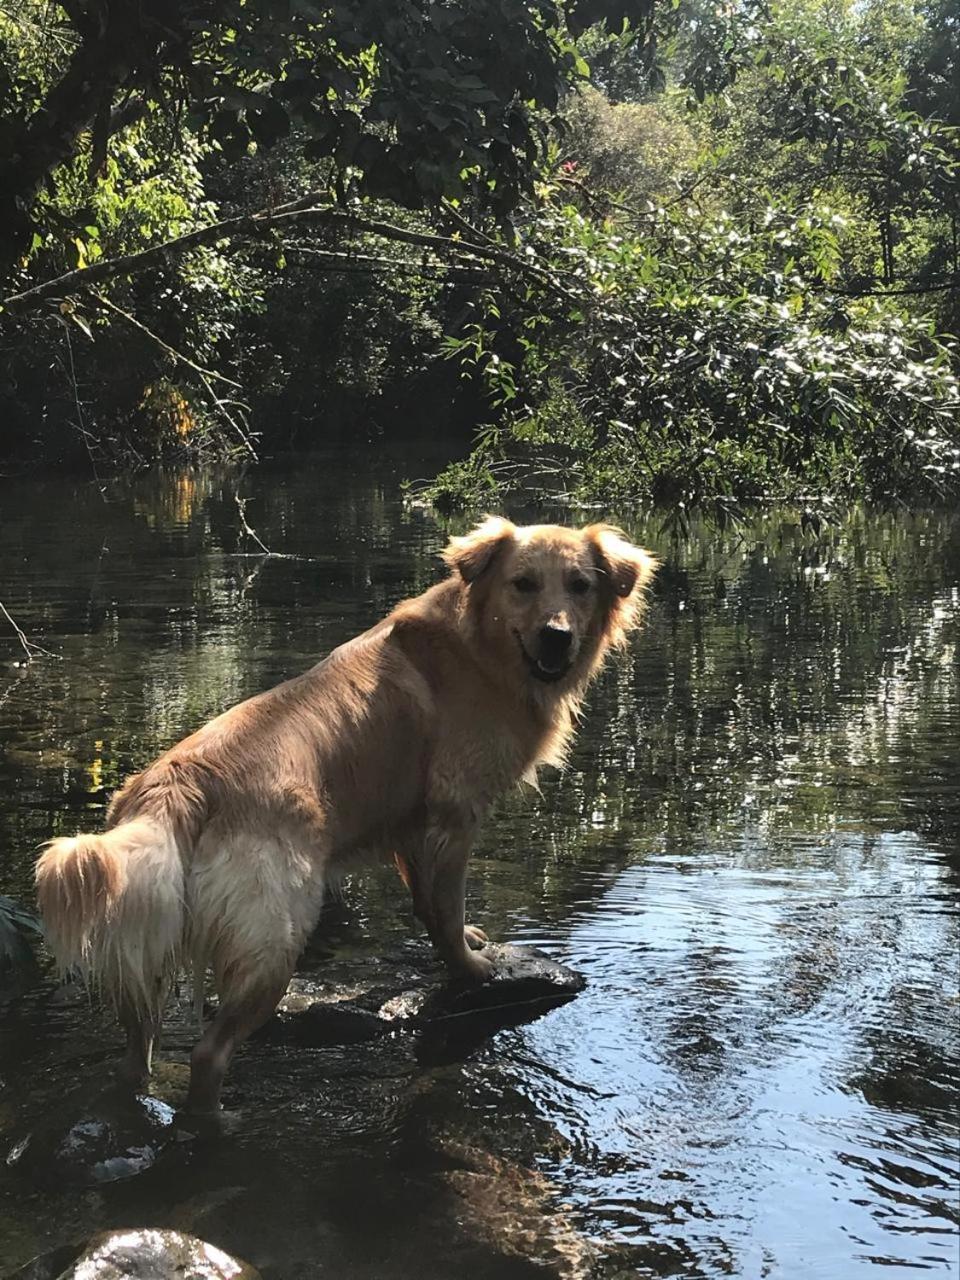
685, 251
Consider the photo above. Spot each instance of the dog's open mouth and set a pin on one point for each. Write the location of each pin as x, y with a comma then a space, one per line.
542, 669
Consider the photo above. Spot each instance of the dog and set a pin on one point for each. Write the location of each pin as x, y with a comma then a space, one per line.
395, 745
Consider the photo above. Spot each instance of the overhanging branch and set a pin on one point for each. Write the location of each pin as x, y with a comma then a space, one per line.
258, 225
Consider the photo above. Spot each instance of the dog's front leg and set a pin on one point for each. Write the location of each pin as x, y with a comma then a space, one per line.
438, 878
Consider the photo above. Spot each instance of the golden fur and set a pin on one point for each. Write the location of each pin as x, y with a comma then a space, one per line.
395, 745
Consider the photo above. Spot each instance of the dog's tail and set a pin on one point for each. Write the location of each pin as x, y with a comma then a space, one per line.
113, 907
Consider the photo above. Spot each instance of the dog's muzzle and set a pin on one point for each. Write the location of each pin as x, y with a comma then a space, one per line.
554, 650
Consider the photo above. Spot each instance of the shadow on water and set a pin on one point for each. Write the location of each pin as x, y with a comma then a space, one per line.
752, 857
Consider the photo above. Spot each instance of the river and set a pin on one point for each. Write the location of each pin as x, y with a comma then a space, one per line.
753, 858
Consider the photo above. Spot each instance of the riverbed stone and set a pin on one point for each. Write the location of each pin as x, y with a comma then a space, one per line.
522, 978
91, 1140
139, 1253
526, 982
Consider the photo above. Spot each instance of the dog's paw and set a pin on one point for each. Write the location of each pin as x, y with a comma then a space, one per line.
474, 937
476, 967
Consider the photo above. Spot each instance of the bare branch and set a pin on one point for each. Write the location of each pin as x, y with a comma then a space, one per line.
247, 527
165, 346
29, 648
939, 286
221, 407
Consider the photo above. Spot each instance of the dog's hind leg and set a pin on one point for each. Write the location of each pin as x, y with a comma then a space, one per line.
255, 899
143, 1030
236, 1021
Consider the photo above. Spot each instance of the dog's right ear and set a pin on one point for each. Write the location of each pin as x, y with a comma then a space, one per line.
476, 551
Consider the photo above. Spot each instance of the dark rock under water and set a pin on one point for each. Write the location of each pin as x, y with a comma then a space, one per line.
89, 1140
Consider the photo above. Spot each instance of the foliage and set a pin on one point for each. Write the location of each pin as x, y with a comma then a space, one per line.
734, 340
126, 127
410, 100
709, 363
637, 150
684, 282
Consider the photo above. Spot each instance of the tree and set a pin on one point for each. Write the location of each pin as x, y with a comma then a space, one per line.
760, 333
412, 100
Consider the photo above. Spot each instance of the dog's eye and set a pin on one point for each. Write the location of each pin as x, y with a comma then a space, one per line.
525, 585
580, 586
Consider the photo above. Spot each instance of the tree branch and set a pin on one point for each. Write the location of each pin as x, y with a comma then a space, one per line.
165, 346
29, 648
940, 286
257, 225
370, 264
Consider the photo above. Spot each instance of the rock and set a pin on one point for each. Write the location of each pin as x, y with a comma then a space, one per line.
455, 1019
517, 1212
115, 1135
317, 1024
18, 929
140, 1253
523, 978
525, 984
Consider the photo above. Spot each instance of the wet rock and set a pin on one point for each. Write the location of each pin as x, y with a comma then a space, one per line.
113, 1136
141, 1253
525, 984
19, 928
48, 1266
523, 978
316, 1024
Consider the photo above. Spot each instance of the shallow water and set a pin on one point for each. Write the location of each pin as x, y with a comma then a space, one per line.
752, 856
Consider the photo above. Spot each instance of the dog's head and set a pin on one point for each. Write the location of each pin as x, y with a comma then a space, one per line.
546, 601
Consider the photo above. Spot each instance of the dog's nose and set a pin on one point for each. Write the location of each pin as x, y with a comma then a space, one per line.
555, 643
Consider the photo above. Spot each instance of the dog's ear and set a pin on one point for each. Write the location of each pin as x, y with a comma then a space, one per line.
476, 551
626, 567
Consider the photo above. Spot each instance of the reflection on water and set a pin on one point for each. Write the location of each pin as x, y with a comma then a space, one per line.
753, 857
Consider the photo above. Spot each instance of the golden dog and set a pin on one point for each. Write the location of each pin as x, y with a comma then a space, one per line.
396, 744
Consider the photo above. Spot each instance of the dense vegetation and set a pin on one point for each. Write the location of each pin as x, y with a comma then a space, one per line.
690, 251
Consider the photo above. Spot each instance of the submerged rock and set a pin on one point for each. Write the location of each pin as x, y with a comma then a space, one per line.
517, 1212
313, 1019
139, 1253
19, 928
113, 1135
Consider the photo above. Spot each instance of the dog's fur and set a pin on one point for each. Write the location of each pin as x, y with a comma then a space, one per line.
395, 745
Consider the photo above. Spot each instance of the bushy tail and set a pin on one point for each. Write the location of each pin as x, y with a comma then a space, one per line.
113, 906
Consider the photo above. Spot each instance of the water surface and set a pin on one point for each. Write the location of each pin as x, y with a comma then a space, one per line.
752, 856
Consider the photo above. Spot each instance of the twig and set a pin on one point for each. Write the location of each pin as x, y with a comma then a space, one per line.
221, 407
85, 435
248, 530
467, 226
155, 337
603, 197
29, 648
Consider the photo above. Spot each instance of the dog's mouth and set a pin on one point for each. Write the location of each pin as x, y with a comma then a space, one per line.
542, 668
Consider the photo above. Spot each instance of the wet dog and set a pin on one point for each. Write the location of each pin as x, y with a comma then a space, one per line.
395, 745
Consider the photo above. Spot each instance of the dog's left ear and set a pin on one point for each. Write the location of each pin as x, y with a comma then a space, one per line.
476, 551
627, 568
